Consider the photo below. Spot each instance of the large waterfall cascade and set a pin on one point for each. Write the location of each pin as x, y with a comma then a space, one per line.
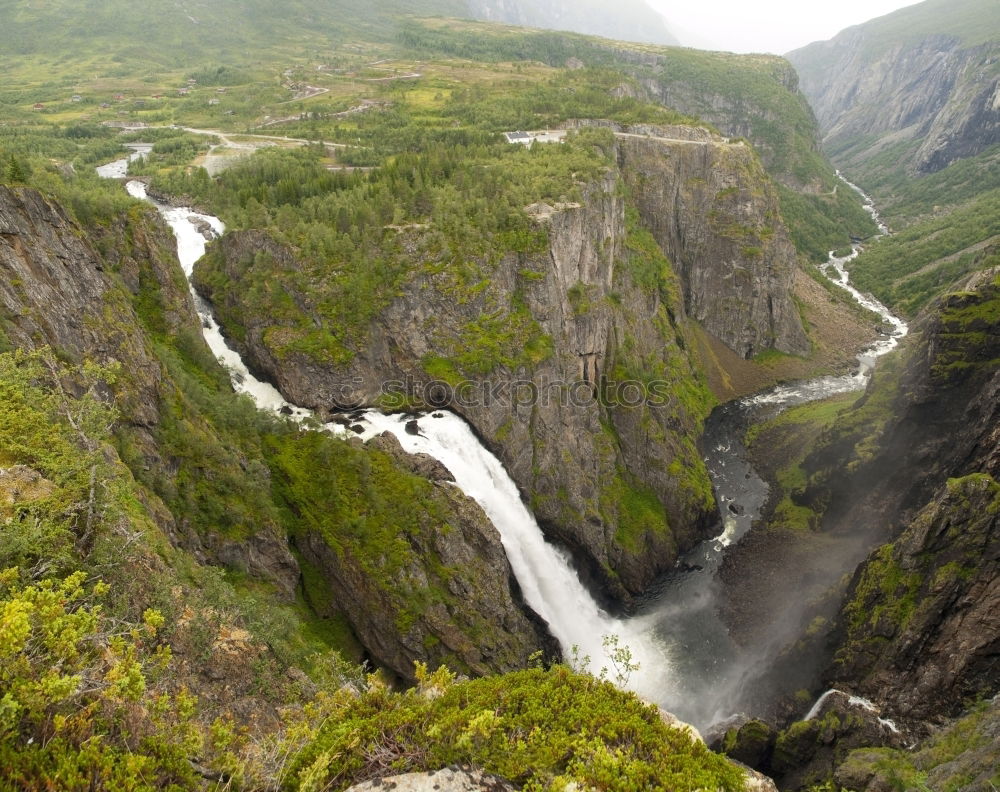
677, 642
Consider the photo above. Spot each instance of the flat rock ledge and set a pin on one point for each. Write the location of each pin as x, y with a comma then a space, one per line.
451, 779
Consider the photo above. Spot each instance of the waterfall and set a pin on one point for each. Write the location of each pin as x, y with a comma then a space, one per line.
191, 245
545, 574
679, 642
548, 582
852, 701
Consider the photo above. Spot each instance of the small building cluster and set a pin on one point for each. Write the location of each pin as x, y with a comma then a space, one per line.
543, 136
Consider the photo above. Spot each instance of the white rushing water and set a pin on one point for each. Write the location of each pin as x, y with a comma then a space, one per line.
895, 329
191, 243
119, 168
658, 640
852, 701
545, 574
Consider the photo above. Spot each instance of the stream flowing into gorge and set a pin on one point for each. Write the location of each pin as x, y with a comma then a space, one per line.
688, 664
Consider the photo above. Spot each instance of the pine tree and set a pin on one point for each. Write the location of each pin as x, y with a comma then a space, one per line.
15, 171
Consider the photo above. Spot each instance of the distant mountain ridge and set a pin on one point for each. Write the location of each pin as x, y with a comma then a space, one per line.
925, 79
628, 20
183, 30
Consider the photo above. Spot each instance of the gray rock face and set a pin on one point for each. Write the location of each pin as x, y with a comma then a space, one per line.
710, 206
931, 643
880, 84
54, 292
620, 483
479, 625
447, 780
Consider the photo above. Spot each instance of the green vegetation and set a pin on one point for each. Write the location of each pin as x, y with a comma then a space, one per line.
85, 705
779, 448
448, 213
756, 92
636, 510
542, 729
967, 333
821, 223
60, 160
921, 262
961, 754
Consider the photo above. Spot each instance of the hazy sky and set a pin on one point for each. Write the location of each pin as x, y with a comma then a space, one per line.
766, 25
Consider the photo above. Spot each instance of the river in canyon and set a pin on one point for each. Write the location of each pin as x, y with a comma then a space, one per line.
687, 662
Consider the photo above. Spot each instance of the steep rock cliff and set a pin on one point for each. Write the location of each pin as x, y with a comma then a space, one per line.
710, 206
926, 77
55, 292
58, 290
914, 462
131, 304
921, 628
453, 601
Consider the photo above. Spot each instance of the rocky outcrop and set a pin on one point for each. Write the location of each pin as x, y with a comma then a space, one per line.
711, 208
446, 780
920, 76
55, 291
474, 620
610, 467
21, 485
921, 628
962, 754
631, 20
808, 752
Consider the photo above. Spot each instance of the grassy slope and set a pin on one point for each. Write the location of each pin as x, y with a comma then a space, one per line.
946, 226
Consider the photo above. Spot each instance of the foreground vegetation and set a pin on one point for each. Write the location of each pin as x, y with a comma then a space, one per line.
93, 663
89, 705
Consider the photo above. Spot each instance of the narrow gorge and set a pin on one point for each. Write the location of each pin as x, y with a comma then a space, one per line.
686, 661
